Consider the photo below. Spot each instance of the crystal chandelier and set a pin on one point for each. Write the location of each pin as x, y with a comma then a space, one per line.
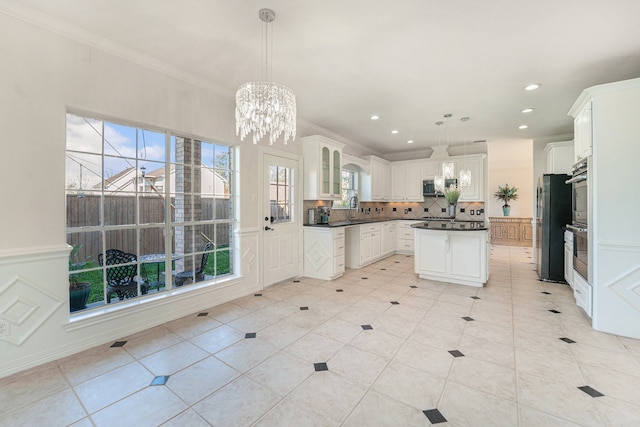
465, 174
265, 107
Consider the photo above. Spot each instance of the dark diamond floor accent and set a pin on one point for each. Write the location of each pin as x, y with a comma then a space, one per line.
367, 327
118, 344
296, 281
202, 314
383, 269
257, 295
395, 302
591, 391
304, 308
160, 380
456, 353
555, 311
434, 416
250, 335
474, 297
468, 319
320, 367
397, 262
413, 286
567, 340
339, 290
546, 293
364, 278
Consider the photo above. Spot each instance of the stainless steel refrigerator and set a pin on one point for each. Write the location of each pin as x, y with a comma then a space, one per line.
553, 212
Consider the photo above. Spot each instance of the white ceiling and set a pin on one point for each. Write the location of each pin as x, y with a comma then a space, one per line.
410, 62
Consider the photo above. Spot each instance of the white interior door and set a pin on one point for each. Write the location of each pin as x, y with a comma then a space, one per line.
281, 222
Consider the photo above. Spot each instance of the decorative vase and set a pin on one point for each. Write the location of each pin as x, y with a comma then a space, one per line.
506, 210
79, 295
451, 210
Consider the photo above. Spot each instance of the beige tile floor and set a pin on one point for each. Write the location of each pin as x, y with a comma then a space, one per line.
515, 370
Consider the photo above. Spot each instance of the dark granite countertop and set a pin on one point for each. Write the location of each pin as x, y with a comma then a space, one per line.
348, 222
452, 225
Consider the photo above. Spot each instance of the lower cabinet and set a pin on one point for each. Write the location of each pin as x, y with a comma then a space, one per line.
324, 252
364, 243
388, 237
511, 231
582, 292
460, 257
568, 257
405, 242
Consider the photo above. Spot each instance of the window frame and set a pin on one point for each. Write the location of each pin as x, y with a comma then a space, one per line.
168, 225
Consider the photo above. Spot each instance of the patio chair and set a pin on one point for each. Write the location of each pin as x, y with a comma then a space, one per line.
183, 276
121, 279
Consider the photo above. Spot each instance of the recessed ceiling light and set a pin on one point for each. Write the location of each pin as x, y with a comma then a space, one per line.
464, 119
410, 141
527, 110
532, 86
394, 131
523, 127
375, 117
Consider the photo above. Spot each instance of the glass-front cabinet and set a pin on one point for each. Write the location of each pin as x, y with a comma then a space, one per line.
322, 168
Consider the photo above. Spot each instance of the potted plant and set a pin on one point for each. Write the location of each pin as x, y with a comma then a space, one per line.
452, 194
79, 289
506, 194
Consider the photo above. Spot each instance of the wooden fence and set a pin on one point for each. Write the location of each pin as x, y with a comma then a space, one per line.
121, 210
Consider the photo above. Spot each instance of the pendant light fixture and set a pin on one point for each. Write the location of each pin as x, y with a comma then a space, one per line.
448, 169
265, 107
438, 180
465, 174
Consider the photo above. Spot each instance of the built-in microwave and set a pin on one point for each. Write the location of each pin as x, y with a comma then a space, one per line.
429, 187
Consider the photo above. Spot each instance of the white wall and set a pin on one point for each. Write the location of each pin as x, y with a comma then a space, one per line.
510, 162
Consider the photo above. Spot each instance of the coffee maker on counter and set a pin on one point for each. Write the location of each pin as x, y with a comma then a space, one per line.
323, 214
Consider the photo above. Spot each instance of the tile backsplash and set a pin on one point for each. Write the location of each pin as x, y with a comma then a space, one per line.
431, 207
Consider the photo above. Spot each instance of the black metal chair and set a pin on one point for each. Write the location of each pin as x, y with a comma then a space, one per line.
183, 276
121, 279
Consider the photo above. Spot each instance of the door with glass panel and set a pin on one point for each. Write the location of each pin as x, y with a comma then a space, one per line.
281, 225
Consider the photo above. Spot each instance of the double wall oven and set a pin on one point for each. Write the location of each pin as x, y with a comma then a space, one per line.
580, 218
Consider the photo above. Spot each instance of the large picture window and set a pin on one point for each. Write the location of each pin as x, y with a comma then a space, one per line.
147, 211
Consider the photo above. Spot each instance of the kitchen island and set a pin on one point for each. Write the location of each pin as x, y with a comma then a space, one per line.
452, 251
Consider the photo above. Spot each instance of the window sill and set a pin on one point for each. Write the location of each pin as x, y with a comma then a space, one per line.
106, 313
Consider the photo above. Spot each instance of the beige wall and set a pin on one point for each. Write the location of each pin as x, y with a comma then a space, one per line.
511, 162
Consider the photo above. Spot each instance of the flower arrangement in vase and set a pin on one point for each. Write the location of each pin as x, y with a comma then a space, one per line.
506, 194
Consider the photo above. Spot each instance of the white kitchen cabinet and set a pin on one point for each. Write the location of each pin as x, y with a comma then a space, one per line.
322, 168
405, 242
406, 181
452, 256
568, 257
363, 244
583, 133
324, 252
583, 293
376, 185
388, 236
607, 126
560, 157
475, 164
431, 168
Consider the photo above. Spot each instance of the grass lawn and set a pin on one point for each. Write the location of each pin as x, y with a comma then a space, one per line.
217, 265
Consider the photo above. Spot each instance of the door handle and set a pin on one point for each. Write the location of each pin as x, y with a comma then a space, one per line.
267, 228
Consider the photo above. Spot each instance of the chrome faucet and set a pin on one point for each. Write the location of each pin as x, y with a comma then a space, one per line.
353, 204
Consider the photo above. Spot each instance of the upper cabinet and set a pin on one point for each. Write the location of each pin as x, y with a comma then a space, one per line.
322, 168
474, 163
583, 140
375, 186
560, 157
406, 181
